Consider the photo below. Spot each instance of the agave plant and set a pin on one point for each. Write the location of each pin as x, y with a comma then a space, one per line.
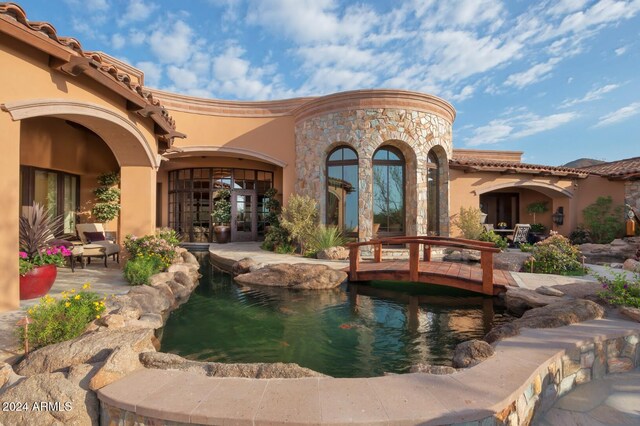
38, 228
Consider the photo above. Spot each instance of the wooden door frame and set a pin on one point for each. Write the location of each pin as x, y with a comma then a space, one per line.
254, 212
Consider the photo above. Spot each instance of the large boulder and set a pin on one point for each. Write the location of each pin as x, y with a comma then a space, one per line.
123, 305
88, 348
618, 250
457, 255
51, 400
122, 361
150, 299
518, 300
468, 354
7, 375
631, 265
432, 369
558, 314
510, 260
333, 253
298, 276
278, 370
244, 266
632, 313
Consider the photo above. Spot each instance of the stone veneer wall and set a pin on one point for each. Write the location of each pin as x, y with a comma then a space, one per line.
632, 193
414, 132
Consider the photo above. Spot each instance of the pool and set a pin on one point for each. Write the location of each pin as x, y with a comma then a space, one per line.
352, 331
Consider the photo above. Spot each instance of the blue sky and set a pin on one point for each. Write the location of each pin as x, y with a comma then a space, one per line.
556, 79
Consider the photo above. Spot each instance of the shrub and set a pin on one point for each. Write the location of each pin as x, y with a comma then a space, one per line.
491, 236
604, 221
300, 218
161, 246
580, 236
468, 221
139, 269
538, 228
107, 206
325, 237
620, 290
54, 321
221, 212
555, 255
285, 249
273, 207
275, 238
526, 247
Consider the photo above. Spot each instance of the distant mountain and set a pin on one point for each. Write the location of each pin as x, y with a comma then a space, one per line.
583, 162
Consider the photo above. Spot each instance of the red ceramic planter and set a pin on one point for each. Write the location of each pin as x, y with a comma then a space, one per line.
37, 282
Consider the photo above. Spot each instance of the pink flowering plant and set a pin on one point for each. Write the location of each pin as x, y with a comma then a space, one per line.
38, 228
161, 246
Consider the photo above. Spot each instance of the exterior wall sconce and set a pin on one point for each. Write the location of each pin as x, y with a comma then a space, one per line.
558, 216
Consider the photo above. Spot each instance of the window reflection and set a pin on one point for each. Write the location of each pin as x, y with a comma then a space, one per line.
388, 190
342, 189
433, 194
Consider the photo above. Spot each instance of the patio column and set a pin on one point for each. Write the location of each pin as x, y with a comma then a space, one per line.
10, 190
365, 199
138, 201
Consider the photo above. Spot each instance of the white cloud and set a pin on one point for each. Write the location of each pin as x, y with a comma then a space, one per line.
533, 75
152, 73
591, 95
602, 12
562, 7
117, 41
182, 78
621, 50
234, 76
619, 115
460, 13
137, 11
172, 45
89, 5
517, 127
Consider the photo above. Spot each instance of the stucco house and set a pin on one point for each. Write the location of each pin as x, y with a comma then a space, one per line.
380, 160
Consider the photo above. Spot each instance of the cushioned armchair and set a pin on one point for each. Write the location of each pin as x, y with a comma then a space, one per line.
95, 243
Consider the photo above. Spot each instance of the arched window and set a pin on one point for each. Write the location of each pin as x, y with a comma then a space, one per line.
388, 190
433, 194
342, 189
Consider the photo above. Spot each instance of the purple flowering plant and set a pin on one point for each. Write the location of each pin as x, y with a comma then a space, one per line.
620, 288
52, 255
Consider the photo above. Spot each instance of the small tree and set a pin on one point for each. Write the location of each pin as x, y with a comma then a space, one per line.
107, 196
537, 207
469, 222
300, 219
221, 212
604, 221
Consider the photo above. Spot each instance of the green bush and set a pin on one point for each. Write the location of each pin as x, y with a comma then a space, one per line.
555, 255
54, 321
469, 222
300, 218
526, 247
107, 206
580, 236
620, 290
538, 228
221, 212
604, 221
325, 237
161, 246
285, 249
139, 269
492, 237
275, 238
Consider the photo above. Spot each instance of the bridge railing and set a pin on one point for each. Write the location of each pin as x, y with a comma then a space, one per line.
486, 249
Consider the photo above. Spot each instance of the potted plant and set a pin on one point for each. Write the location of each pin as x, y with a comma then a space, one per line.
221, 215
39, 258
273, 208
107, 206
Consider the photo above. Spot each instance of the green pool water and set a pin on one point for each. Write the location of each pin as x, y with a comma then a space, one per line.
352, 331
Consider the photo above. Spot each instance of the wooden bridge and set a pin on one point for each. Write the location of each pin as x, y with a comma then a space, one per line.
482, 279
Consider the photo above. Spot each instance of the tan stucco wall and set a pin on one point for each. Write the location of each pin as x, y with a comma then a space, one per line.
588, 191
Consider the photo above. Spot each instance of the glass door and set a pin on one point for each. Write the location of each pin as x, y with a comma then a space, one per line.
244, 218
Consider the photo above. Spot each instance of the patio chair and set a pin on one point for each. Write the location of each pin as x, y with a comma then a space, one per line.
520, 234
96, 244
488, 227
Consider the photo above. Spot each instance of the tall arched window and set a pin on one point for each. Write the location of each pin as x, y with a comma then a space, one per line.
433, 194
342, 189
388, 190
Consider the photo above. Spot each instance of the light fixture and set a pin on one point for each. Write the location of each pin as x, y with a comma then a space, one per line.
558, 216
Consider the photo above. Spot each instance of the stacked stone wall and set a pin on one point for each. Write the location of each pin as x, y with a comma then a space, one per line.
632, 193
413, 132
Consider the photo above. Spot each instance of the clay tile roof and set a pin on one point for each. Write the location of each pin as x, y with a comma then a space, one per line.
627, 168
475, 164
156, 111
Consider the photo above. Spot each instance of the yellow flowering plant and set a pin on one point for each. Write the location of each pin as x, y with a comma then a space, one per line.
56, 320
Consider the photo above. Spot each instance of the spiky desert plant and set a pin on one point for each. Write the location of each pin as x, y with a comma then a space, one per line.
38, 228
325, 237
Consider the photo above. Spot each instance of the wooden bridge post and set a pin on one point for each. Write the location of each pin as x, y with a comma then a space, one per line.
377, 252
426, 252
414, 259
354, 262
486, 262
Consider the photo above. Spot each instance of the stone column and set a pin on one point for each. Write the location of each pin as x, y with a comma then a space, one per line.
10, 189
365, 199
138, 201
420, 225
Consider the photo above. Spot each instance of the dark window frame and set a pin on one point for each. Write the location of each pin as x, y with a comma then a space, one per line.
402, 162
341, 163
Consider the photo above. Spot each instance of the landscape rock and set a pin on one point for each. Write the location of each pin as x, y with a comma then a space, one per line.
184, 279
518, 300
81, 374
189, 258
510, 260
633, 313
180, 292
112, 321
558, 314
432, 369
7, 376
333, 253
162, 277
454, 255
81, 406
88, 348
631, 265
123, 305
470, 353
243, 266
150, 299
166, 292
122, 361
298, 276
165, 361
188, 268
549, 291
618, 250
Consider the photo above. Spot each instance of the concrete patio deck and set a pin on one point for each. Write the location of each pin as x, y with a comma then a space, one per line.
103, 280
